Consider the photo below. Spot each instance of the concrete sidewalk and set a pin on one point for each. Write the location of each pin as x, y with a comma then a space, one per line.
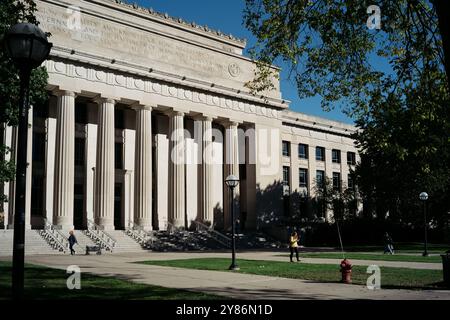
228, 284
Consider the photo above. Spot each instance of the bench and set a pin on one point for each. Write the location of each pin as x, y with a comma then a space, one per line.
96, 249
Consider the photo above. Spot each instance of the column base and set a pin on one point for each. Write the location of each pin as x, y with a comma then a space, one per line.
66, 227
143, 224
11, 227
107, 227
178, 223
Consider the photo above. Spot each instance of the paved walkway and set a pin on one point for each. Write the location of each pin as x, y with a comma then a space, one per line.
228, 284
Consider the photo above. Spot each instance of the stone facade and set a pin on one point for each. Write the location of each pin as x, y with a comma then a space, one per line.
148, 115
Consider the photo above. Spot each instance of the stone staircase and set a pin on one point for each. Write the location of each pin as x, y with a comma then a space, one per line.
181, 240
83, 241
124, 243
34, 243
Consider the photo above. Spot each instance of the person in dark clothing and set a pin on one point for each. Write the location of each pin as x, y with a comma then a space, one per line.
388, 244
72, 242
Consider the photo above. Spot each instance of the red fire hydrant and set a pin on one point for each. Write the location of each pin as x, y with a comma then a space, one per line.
346, 270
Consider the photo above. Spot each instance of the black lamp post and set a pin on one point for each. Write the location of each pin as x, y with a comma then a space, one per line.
232, 182
423, 196
27, 46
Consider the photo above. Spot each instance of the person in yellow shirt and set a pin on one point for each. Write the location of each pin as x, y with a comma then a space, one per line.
293, 245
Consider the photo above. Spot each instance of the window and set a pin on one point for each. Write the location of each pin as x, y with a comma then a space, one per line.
119, 118
320, 178
350, 183
118, 159
303, 151
286, 176
80, 113
37, 198
320, 153
336, 181
38, 147
303, 177
336, 156
79, 151
286, 149
351, 158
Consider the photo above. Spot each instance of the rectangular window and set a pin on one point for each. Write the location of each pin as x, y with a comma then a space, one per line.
320, 153
351, 158
286, 174
303, 177
38, 147
119, 119
336, 181
286, 149
336, 156
80, 113
320, 178
118, 159
79, 151
350, 183
303, 151
37, 198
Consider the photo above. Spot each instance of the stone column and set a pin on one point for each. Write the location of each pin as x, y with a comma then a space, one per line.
50, 143
12, 183
143, 169
206, 184
29, 169
177, 186
104, 172
231, 166
64, 160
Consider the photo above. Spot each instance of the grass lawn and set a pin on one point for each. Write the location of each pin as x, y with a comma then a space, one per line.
390, 277
402, 248
370, 256
46, 283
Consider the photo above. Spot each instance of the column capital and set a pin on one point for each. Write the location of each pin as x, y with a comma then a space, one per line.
172, 113
60, 93
100, 99
138, 106
228, 123
204, 117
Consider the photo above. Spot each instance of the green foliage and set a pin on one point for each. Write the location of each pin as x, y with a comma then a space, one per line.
340, 201
12, 12
391, 81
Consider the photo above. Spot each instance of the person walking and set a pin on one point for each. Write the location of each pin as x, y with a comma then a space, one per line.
388, 244
72, 242
293, 245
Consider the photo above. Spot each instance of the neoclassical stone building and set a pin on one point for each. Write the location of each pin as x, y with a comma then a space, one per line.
147, 116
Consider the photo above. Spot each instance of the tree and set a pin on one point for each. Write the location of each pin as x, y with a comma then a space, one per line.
12, 12
391, 80
340, 201
331, 51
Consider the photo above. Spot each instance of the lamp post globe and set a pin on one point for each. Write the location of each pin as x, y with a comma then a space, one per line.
232, 181
27, 46
423, 196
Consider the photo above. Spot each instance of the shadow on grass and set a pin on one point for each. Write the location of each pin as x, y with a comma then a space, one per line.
45, 283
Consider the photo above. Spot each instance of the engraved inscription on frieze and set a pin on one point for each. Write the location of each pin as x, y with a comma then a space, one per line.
92, 32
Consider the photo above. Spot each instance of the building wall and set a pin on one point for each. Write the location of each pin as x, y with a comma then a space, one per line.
128, 58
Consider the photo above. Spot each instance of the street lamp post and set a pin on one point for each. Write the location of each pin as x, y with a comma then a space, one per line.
27, 46
232, 182
423, 196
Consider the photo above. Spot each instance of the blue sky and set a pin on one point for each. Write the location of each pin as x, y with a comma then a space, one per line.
226, 16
